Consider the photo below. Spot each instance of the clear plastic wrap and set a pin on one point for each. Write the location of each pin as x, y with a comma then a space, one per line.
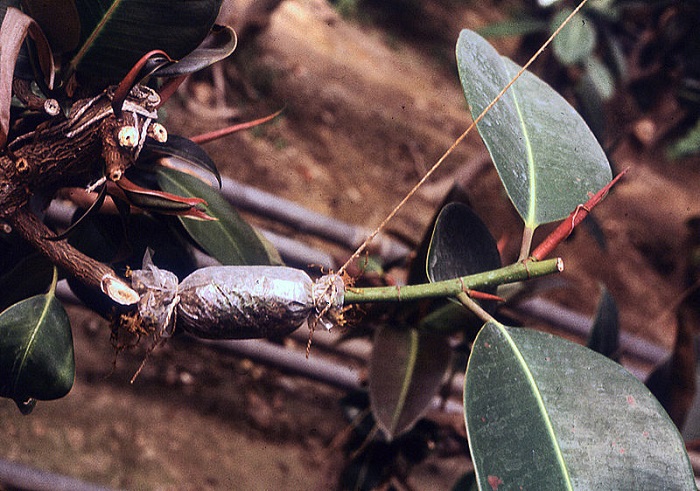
244, 301
158, 295
237, 302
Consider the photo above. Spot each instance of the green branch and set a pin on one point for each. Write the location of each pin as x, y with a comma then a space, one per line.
450, 288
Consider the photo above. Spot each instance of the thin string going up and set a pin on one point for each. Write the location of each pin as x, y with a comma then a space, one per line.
437, 164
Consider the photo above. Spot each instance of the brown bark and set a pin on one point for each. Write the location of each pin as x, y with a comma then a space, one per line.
62, 254
63, 152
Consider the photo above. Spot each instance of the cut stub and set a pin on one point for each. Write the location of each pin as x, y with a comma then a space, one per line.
245, 302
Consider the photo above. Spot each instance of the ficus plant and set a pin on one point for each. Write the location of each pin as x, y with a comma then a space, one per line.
645, 47
79, 100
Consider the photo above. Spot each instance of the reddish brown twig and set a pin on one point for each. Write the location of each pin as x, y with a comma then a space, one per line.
131, 78
215, 135
169, 87
484, 296
567, 226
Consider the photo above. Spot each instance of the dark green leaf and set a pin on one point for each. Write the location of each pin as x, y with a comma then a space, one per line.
688, 144
461, 245
513, 27
451, 317
30, 276
158, 201
181, 154
115, 34
605, 334
591, 105
546, 172
418, 272
600, 78
219, 44
466, 483
406, 370
545, 413
94, 207
36, 349
576, 40
229, 239
107, 239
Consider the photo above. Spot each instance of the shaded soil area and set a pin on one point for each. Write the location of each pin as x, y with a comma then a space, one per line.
367, 111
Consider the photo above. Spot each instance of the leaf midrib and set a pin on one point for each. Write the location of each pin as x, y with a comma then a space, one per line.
531, 220
408, 377
540, 401
27, 350
87, 45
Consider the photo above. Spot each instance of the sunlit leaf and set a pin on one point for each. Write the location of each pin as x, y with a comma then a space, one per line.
36, 349
575, 42
546, 171
229, 239
115, 34
406, 370
545, 413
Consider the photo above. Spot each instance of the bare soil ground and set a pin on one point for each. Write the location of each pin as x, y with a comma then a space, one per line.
367, 112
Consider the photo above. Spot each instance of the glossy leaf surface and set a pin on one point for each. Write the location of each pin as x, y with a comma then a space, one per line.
461, 245
545, 155
115, 34
545, 413
229, 239
158, 201
406, 370
36, 350
219, 44
181, 154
